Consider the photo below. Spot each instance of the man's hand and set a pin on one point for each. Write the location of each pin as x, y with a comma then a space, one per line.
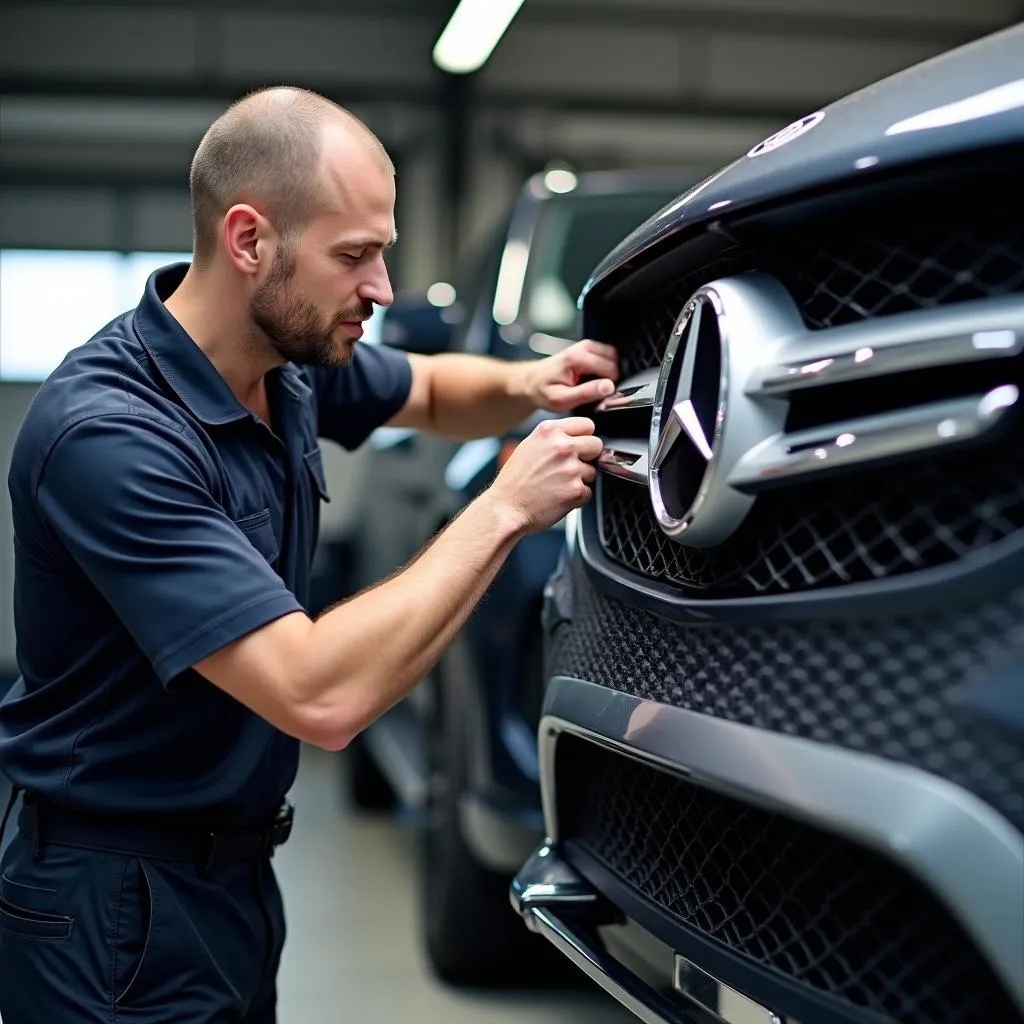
550, 473
557, 384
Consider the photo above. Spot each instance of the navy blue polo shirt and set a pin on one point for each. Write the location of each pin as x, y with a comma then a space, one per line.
155, 521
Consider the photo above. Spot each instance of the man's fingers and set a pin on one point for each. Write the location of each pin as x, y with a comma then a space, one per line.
600, 348
568, 397
576, 426
588, 447
595, 364
588, 474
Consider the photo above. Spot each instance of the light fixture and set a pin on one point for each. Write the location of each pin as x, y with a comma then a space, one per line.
441, 294
560, 180
472, 33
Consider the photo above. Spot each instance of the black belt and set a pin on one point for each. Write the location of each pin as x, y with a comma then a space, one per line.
43, 822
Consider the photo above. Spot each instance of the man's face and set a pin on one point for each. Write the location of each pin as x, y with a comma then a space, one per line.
324, 284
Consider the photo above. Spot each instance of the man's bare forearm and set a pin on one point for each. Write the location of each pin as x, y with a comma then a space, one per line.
396, 631
477, 396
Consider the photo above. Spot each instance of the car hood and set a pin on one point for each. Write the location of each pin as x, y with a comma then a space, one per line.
969, 98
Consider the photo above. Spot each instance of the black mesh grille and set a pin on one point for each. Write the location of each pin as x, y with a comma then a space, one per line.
865, 274
823, 912
892, 687
851, 274
871, 526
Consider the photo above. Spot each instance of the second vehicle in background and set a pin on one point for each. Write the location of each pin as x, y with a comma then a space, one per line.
462, 748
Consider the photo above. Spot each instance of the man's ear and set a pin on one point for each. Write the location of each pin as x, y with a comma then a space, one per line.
245, 232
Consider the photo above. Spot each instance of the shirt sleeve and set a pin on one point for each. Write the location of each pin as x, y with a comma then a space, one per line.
355, 399
131, 501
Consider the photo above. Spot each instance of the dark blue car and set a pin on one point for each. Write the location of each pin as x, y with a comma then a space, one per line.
782, 749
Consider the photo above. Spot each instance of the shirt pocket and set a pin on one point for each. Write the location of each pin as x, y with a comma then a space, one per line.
259, 531
315, 464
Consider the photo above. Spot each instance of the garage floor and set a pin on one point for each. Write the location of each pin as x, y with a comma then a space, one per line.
352, 953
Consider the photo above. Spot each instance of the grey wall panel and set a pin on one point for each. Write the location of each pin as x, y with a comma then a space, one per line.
303, 47
58, 218
803, 70
162, 221
14, 402
97, 42
95, 218
595, 62
956, 12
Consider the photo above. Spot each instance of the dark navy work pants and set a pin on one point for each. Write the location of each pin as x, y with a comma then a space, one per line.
89, 937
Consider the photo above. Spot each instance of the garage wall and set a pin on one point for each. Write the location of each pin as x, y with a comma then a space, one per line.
14, 402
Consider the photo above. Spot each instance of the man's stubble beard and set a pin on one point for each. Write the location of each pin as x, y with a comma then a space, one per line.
292, 324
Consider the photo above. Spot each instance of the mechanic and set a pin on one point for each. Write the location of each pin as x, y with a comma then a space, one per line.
165, 488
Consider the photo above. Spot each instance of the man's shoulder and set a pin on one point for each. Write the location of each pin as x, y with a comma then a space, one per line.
107, 377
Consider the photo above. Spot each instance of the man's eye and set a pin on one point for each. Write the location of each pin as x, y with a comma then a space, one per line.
352, 257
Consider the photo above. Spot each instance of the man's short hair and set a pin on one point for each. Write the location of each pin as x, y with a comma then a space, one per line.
264, 149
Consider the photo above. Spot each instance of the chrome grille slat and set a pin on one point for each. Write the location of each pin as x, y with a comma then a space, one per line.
854, 443
969, 332
948, 295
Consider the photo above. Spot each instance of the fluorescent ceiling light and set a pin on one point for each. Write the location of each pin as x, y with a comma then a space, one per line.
472, 34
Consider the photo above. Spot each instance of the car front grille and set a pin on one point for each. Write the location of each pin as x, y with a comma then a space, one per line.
871, 525
815, 908
899, 687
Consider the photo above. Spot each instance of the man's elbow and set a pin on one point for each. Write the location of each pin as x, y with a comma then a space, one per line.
329, 725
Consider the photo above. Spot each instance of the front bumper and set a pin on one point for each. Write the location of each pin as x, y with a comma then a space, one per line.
968, 856
559, 904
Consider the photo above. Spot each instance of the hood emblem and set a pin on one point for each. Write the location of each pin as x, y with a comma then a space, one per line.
788, 134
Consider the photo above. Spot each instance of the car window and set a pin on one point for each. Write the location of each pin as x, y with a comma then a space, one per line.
573, 235
474, 284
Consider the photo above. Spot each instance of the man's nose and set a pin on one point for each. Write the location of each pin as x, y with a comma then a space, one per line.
376, 287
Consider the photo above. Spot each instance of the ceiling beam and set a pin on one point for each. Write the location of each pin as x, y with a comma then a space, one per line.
224, 92
947, 32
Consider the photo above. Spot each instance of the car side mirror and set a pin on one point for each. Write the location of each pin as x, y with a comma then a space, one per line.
416, 325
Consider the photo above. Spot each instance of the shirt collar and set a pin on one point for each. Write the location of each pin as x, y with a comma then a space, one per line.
181, 362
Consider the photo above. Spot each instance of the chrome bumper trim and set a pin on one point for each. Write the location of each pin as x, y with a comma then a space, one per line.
939, 832
546, 893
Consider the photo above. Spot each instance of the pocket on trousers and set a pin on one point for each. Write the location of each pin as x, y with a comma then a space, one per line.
133, 929
33, 924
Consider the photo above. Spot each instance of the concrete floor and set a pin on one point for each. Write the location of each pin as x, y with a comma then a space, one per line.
353, 954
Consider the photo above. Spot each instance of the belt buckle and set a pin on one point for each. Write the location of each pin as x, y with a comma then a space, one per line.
282, 827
